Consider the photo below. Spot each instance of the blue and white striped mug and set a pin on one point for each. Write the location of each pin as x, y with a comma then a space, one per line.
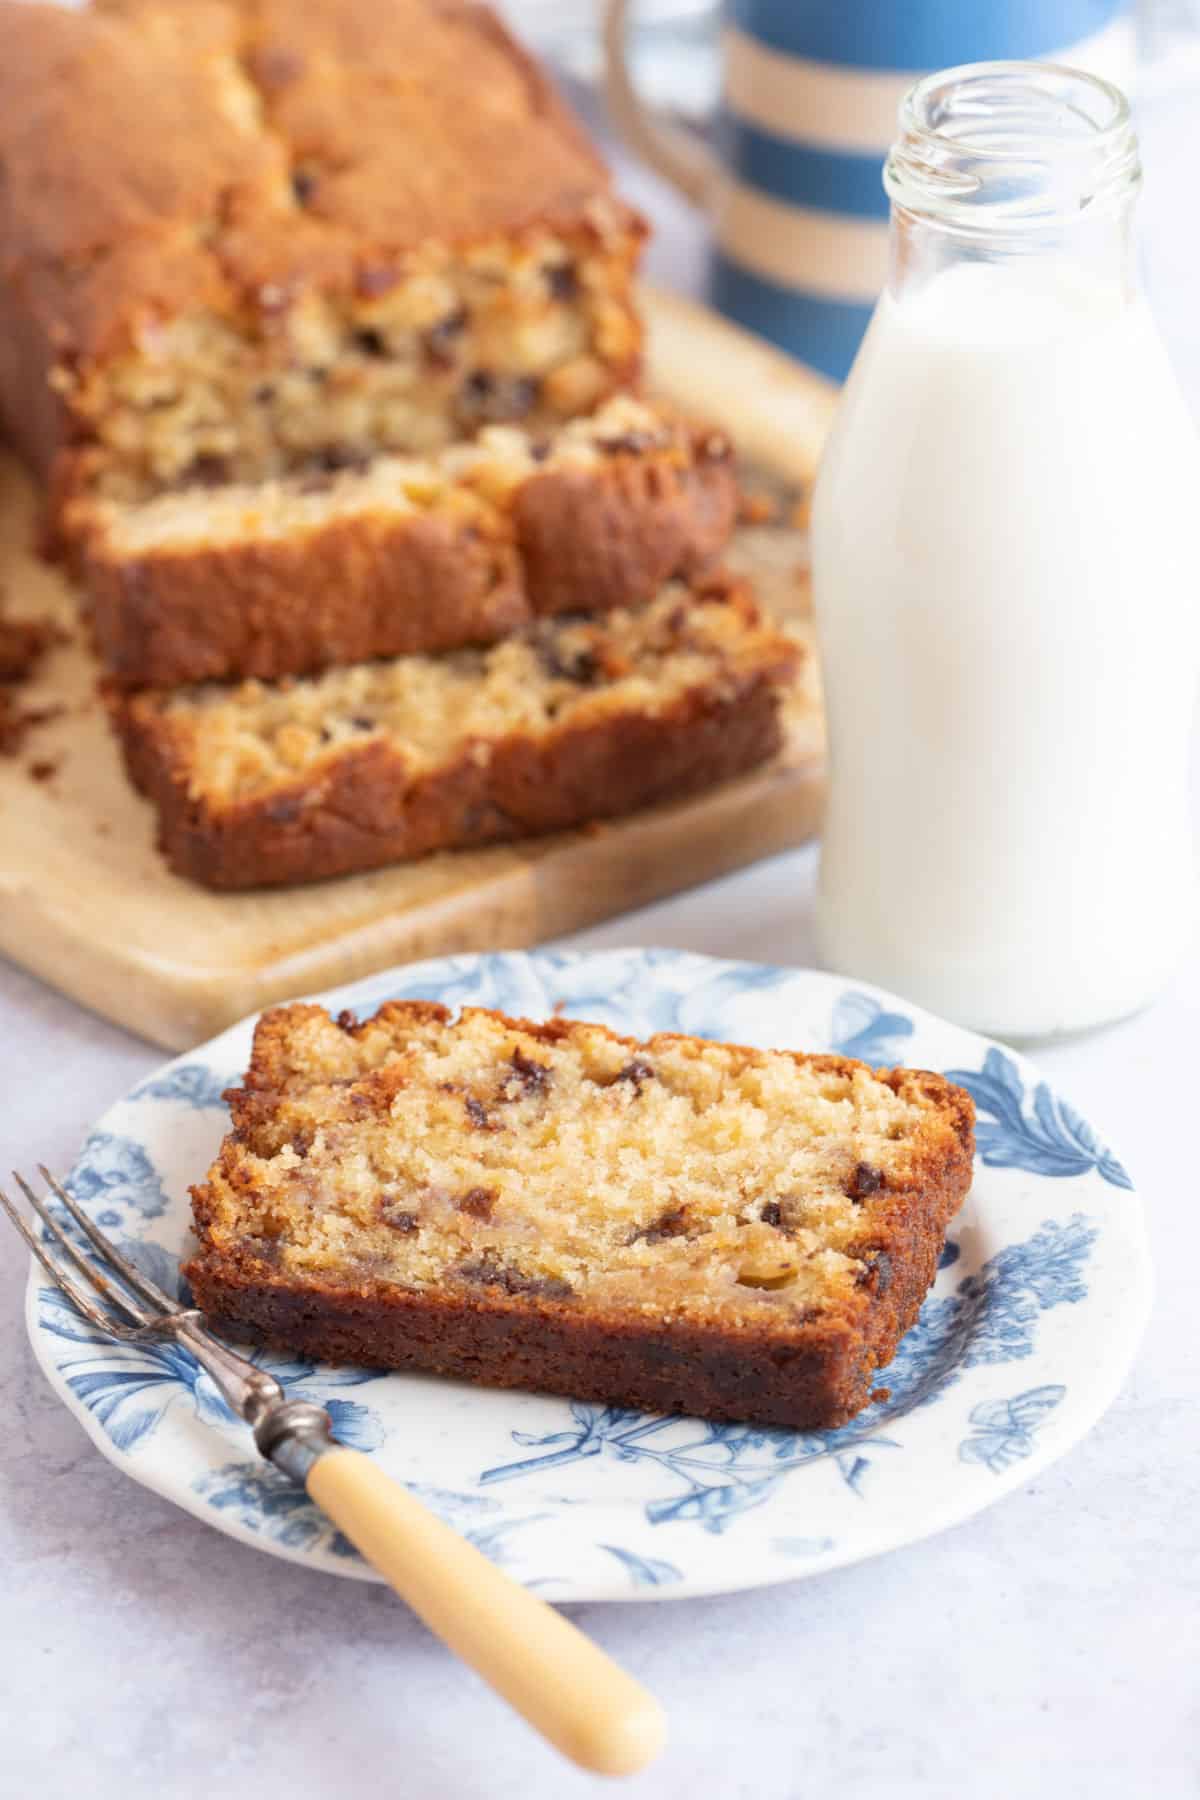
811, 92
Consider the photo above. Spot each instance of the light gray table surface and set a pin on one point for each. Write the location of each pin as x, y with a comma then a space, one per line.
1048, 1649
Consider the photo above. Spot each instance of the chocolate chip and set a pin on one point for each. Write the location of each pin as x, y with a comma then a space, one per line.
477, 1202
478, 1114
670, 1224
876, 1272
583, 667
372, 282
210, 470
630, 443
772, 1213
491, 1273
346, 1020
535, 1077
638, 1072
371, 342
301, 1142
360, 722
305, 183
485, 396
563, 281
263, 393
539, 450
440, 339
865, 1179
399, 1220
336, 457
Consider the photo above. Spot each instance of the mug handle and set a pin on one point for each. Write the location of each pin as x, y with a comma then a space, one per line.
675, 153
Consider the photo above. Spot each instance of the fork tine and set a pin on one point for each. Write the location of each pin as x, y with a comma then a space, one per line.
113, 1294
128, 1271
94, 1314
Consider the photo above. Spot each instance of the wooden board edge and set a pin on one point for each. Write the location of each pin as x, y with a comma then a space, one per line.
777, 410
539, 899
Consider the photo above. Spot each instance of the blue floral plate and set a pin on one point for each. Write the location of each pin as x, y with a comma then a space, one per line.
1038, 1307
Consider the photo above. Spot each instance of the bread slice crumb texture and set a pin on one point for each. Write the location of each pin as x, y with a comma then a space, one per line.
562, 1165
559, 675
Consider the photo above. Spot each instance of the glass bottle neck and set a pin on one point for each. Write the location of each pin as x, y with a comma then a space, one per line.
1019, 166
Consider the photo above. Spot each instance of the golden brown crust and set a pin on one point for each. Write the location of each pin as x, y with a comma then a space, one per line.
355, 589
572, 539
813, 1384
366, 810
798, 1371
161, 159
149, 149
593, 542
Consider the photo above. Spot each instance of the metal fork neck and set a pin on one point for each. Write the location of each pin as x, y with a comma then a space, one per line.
292, 1433
250, 1391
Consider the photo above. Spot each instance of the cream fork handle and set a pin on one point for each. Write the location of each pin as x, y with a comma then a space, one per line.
557, 1679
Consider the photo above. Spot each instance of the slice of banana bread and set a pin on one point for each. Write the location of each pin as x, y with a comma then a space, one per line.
676, 1225
570, 720
307, 572
239, 236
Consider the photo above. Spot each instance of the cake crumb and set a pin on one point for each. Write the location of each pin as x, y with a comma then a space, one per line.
23, 643
17, 722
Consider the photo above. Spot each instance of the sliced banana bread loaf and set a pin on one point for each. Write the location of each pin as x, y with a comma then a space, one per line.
676, 1225
238, 236
310, 571
571, 719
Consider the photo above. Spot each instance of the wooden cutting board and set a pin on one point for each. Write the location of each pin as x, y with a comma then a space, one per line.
86, 903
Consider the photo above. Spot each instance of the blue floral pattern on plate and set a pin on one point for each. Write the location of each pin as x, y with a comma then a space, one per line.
191, 1084
1045, 1270
1038, 1131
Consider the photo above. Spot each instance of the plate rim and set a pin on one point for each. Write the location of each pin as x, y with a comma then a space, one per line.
1126, 1330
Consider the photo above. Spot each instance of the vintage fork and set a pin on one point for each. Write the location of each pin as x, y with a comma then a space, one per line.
562, 1683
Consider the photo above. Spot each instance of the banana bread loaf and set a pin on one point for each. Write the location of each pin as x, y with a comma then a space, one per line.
305, 572
570, 720
676, 1225
241, 237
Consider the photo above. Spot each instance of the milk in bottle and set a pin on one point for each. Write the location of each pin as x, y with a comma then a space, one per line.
1006, 578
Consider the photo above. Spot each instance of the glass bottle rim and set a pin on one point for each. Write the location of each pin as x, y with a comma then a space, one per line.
1012, 148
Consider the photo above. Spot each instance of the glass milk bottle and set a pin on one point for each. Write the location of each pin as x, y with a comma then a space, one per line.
1006, 578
